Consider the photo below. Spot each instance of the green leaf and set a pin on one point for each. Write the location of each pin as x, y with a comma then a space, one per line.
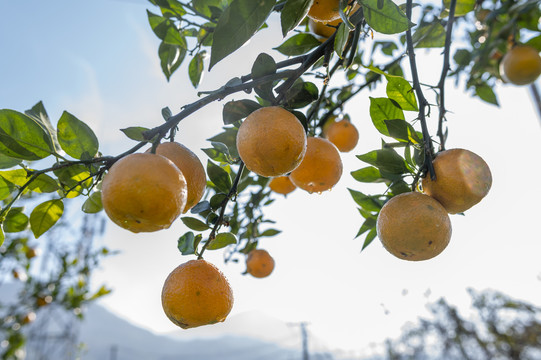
39, 114
228, 137
400, 90
369, 238
7, 162
135, 132
298, 44
301, 94
368, 203
22, 137
45, 215
41, 184
384, 16
486, 93
76, 138
270, 232
222, 240
238, 23
15, 220
205, 6
93, 203
382, 109
186, 244
341, 39
2, 236
462, 6
293, 13
219, 177
535, 42
195, 68
102, 291
171, 56
17, 177
73, 179
194, 224
5, 188
264, 65
165, 30
367, 174
237, 110
386, 160
402, 130
201, 207
429, 36
217, 200
368, 224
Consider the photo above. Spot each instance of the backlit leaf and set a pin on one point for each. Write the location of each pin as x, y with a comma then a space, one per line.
195, 68
76, 138
385, 16
186, 243
45, 215
293, 13
386, 160
93, 203
194, 224
298, 44
219, 177
22, 137
15, 220
222, 240
382, 109
238, 23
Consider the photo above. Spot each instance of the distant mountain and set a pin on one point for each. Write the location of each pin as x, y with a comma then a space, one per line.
105, 336
109, 337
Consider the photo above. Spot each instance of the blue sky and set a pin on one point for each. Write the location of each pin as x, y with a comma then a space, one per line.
99, 61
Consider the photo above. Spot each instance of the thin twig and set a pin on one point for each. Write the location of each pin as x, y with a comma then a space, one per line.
444, 71
232, 192
428, 149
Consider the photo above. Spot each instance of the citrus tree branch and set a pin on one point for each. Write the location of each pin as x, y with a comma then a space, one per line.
423, 103
444, 71
232, 192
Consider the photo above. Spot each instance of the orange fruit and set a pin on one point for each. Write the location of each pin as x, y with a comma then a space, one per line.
324, 30
282, 185
413, 226
324, 10
327, 11
190, 166
463, 179
196, 293
343, 134
29, 318
321, 167
330, 120
259, 263
521, 65
144, 192
271, 141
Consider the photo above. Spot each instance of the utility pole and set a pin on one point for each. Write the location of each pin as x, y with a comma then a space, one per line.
304, 335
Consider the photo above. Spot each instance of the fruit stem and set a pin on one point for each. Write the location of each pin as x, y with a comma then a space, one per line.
444, 71
423, 103
232, 192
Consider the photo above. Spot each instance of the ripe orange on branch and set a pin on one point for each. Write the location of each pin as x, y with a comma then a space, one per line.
413, 226
321, 167
521, 65
271, 141
259, 263
190, 166
144, 192
343, 134
282, 185
463, 179
196, 293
